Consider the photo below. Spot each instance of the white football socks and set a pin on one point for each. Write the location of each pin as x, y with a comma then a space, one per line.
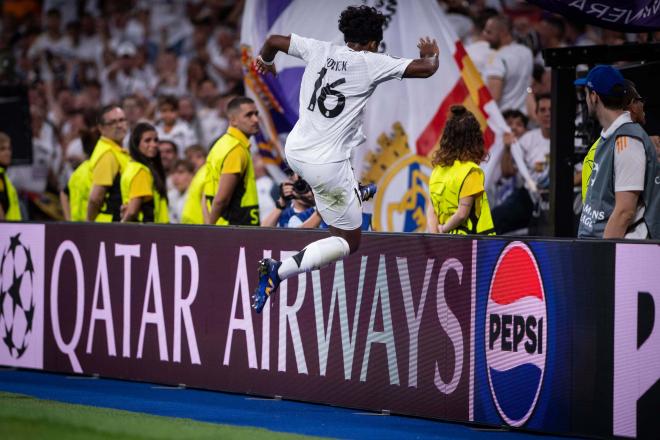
315, 256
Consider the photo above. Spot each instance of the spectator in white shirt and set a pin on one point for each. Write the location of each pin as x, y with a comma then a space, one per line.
196, 154
123, 77
52, 41
515, 212
509, 72
176, 197
170, 127
168, 156
479, 49
188, 114
171, 79
212, 114
225, 70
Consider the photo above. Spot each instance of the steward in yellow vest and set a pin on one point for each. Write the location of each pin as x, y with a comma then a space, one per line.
79, 186
459, 204
192, 208
143, 187
107, 163
9, 207
230, 186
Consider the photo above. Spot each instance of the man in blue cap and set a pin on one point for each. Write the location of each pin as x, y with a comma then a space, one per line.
624, 156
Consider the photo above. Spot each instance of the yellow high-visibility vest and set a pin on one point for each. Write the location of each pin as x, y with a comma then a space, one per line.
111, 209
9, 198
445, 186
192, 208
80, 185
154, 210
243, 207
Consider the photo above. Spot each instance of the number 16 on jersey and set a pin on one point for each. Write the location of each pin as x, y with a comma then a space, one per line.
326, 90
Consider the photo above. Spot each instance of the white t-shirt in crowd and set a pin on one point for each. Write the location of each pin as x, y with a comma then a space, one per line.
181, 134
512, 63
46, 156
175, 203
481, 55
266, 202
136, 81
332, 101
212, 125
629, 169
61, 46
536, 153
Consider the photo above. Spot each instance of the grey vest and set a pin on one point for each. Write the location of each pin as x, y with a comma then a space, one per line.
599, 201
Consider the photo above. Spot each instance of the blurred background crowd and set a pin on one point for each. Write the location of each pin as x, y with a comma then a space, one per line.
177, 63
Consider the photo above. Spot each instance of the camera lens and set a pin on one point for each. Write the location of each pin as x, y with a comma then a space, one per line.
301, 187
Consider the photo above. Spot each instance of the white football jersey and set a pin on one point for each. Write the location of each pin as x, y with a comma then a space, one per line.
333, 93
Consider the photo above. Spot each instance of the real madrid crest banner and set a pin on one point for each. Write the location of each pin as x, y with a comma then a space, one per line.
403, 120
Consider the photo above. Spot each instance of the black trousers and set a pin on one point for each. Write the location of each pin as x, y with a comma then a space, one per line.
514, 213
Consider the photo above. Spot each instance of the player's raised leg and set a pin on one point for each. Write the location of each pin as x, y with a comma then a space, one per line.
339, 202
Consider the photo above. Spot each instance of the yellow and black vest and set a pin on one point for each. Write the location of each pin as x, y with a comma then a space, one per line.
445, 186
587, 167
192, 208
111, 209
80, 185
243, 208
152, 211
9, 198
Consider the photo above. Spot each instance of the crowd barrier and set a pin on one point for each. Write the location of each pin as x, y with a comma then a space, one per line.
558, 336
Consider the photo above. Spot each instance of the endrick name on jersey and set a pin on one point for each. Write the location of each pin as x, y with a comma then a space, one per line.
338, 66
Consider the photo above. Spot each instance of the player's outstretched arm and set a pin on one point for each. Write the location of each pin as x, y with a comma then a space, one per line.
273, 44
427, 63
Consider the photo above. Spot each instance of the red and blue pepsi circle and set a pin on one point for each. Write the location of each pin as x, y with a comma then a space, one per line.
515, 336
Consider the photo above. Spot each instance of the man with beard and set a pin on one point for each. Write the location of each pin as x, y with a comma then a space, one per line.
620, 188
230, 186
509, 72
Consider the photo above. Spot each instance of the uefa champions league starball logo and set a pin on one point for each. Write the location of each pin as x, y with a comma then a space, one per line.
17, 299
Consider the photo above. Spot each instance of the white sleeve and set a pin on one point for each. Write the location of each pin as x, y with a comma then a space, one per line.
629, 164
495, 67
304, 48
191, 136
525, 146
383, 67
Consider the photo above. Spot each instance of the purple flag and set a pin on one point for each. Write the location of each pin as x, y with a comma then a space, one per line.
620, 15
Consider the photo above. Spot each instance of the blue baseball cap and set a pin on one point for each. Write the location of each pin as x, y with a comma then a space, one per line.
602, 79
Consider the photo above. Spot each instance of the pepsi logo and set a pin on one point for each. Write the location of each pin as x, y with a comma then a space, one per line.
516, 323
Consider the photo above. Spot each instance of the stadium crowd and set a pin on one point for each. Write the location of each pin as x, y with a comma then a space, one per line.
172, 67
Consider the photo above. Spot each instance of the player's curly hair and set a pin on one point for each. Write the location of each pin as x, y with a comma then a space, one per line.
461, 140
361, 24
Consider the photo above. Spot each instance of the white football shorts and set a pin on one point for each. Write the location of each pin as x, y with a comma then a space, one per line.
335, 189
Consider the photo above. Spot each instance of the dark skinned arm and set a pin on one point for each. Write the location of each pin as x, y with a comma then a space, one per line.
273, 44
427, 63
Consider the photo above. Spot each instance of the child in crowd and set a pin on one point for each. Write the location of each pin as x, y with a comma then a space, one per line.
170, 127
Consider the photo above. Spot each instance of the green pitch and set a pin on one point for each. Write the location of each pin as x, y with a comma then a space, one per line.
24, 417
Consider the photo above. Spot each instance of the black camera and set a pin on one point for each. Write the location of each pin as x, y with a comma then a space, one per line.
301, 186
